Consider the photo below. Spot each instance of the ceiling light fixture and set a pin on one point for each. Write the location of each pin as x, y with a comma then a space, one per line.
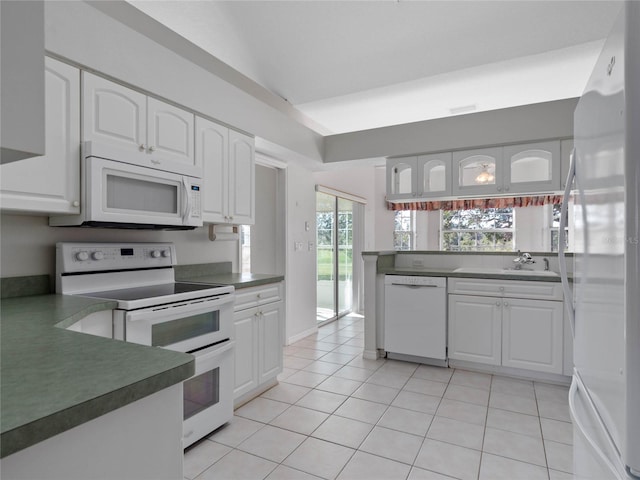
485, 176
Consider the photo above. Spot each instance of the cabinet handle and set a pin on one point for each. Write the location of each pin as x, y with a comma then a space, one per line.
506, 304
151, 149
499, 189
76, 203
259, 295
142, 147
506, 189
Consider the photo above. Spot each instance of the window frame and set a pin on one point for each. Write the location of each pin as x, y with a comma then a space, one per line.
410, 232
512, 230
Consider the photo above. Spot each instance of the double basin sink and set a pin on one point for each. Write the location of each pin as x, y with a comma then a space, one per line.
506, 271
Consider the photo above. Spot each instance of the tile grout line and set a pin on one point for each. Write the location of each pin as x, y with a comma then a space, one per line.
387, 406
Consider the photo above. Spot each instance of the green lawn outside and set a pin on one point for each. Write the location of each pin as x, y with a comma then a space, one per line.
325, 264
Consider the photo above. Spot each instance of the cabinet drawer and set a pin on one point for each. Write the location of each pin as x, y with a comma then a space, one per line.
254, 296
506, 288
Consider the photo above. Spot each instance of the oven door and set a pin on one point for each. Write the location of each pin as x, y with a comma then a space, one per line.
208, 395
119, 192
181, 326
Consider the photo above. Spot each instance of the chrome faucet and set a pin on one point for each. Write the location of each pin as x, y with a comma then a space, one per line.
523, 259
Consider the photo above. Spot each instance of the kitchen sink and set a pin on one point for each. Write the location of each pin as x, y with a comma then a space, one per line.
505, 271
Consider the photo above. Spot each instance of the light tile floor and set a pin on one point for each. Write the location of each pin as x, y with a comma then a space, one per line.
337, 415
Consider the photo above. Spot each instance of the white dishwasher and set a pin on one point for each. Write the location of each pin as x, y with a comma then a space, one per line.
415, 316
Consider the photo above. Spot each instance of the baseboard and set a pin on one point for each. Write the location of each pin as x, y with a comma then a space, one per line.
511, 372
370, 354
414, 359
259, 390
302, 335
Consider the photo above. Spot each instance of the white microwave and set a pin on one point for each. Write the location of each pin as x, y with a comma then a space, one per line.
119, 194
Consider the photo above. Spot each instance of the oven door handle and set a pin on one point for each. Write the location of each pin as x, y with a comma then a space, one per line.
165, 313
208, 358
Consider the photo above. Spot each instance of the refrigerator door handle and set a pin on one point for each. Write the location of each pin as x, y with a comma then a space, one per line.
568, 295
576, 383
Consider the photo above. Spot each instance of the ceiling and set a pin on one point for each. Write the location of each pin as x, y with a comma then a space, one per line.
355, 65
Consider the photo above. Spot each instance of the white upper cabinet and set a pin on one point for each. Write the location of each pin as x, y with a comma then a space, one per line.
138, 129
50, 183
434, 175
212, 150
532, 168
22, 78
241, 178
512, 170
478, 172
402, 178
424, 176
228, 160
170, 138
115, 115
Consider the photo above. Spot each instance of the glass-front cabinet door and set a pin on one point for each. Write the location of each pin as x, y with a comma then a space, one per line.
434, 175
533, 167
402, 179
478, 172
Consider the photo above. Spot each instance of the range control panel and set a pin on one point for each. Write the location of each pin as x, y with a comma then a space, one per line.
96, 257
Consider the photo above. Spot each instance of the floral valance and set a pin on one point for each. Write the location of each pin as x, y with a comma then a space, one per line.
469, 203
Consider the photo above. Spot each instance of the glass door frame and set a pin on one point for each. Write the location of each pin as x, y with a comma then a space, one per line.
355, 227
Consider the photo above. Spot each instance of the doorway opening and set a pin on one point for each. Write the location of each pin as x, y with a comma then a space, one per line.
337, 221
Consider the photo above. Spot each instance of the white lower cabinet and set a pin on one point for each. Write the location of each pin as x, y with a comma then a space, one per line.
141, 440
532, 335
246, 351
475, 329
496, 329
259, 337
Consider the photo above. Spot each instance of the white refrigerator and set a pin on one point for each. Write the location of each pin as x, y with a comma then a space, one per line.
604, 398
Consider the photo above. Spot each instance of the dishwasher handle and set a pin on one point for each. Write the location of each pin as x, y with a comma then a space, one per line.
414, 286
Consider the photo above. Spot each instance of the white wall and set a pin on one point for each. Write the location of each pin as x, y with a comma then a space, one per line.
383, 236
528, 123
28, 244
263, 232
359, 181
301, 264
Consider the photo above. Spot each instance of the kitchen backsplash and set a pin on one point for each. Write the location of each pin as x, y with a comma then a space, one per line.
25, 286
424, 259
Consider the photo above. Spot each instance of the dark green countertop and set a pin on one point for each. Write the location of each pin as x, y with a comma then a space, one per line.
450, 272
238, 280
54, 379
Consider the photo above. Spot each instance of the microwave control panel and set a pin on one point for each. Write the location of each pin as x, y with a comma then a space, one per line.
196, 202
85, 257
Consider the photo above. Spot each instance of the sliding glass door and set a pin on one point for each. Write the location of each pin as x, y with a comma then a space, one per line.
345, 256
326, 255
334, 226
